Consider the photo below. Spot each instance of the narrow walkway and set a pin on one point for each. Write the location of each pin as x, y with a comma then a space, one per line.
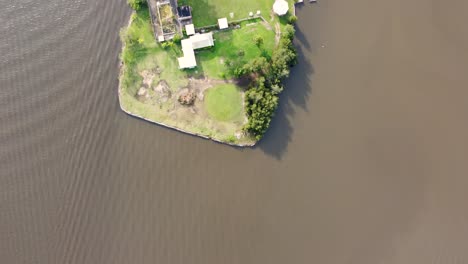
277, 32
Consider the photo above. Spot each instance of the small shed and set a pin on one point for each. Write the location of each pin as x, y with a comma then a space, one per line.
190, 29
223, 23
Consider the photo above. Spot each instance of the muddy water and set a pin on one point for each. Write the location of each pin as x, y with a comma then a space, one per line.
366, 161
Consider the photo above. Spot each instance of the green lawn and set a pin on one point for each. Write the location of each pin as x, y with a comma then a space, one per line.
224, 103
229, 43
207, 12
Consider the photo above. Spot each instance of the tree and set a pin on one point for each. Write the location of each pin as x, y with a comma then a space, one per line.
292, 19
289, 32
135, 4
257, 65
276, 88
258, 40
260, 107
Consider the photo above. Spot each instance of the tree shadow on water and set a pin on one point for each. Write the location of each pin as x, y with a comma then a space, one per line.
297, 90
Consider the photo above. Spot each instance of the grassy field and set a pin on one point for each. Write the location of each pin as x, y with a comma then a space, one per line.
224, 103
228, 46
207, 12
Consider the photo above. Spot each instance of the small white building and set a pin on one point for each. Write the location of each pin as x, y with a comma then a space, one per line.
223, 23
190, 29
196, 41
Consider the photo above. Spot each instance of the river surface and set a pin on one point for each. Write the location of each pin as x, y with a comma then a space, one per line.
366, 161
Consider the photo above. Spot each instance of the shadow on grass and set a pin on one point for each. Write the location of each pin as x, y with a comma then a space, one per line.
296, 93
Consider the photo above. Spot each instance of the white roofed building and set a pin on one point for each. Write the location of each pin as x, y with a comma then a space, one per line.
202, 40
188, 60
223, 23
197, 41
190, 29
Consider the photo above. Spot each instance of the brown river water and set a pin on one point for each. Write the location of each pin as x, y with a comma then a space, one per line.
366, 161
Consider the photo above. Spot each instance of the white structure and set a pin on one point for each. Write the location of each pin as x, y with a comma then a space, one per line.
197, 41
190, 29
202, 40
160, 38
223, 23
188, 60
280, 7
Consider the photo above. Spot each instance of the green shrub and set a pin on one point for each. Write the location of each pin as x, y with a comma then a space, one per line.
288, 32
177, 38
292, 19
231, 139
135, 4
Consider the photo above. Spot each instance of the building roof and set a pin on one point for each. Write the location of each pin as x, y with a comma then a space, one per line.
202, 40
280, 7
187, 62
197, 41
190, 29
223, 23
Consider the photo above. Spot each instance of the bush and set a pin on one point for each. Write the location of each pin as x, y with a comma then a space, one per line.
177, 38
292, 19
289, 32
165, 45
135, 4
230, 139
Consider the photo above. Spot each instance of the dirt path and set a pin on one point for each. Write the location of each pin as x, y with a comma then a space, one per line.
267, 25
277, 32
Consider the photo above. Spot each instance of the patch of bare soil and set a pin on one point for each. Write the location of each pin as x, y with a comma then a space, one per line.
148, 77
163, 91
142, 94
266, 25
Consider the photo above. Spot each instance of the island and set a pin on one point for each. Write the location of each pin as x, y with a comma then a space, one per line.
211, 68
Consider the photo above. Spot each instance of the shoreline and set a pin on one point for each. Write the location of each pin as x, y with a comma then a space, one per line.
121, 67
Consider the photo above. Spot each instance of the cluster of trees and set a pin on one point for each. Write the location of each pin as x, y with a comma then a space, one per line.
267, 74
136, 4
